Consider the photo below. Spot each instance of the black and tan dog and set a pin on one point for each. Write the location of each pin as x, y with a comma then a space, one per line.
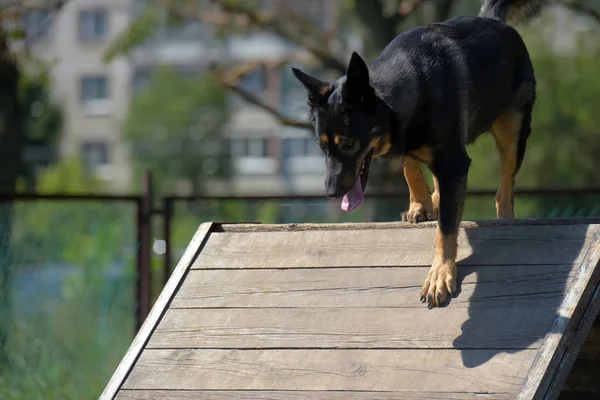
432, 91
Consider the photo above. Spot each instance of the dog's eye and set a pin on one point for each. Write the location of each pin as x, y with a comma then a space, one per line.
349, 146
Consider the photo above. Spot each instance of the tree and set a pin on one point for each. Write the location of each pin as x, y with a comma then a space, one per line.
42, 125
13, 138
174, 128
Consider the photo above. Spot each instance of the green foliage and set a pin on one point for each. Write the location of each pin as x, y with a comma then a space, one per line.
565, 140
43, 118
174, 128
75, 327
42, 123
140, 30
67, 177
95, 223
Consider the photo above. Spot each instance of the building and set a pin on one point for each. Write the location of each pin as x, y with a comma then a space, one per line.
268, 158
94, 95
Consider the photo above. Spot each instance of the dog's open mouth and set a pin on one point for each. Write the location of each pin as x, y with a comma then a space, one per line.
354, 198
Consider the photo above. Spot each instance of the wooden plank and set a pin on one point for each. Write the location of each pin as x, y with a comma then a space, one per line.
358, 370
369, 287
572, 349
509, 245
156, 313
572, 312
488, 223
338, 328
302, 395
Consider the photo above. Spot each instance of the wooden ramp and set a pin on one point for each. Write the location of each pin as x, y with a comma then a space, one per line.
333, 312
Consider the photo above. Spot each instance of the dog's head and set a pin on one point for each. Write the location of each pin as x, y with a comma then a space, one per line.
352, 126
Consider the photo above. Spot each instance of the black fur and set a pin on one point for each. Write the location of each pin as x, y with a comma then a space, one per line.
435, 87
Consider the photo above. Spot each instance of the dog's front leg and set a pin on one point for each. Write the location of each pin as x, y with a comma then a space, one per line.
440, 283
421, 206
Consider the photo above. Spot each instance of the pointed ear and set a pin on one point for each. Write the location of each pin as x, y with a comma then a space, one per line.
316, 89
357, 90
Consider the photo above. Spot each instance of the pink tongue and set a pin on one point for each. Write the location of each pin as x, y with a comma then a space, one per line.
354, 198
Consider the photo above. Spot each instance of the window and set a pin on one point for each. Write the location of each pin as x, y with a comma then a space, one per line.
37, 22
251, 156
94, 88
92, 25
302, 147
95, 153
249, 147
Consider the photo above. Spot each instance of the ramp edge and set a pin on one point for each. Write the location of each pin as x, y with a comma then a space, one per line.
296, 227
561, 345
157, 312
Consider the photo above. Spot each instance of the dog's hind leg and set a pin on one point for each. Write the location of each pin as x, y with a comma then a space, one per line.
511, 131
506, 133
421, 207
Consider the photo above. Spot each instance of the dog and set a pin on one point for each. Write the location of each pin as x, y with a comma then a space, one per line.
431, 92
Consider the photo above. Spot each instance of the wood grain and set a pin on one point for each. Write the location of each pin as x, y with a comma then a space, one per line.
497, 328
488, 223
566, 334
156, 313
364, 370
302, 395
509, 245
369, 287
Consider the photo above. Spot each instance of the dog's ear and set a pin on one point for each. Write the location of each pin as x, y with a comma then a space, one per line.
316, 89
357, 90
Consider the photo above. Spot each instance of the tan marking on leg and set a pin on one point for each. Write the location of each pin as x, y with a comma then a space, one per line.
337, 139
435, 197
506, 133
440, 283
420, 208
423, 154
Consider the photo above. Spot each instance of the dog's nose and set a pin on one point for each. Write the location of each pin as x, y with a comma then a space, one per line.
334, 192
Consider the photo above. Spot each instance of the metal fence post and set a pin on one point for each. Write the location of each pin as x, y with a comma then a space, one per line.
144, 226
167, 215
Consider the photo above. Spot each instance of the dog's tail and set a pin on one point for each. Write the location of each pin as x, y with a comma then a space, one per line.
510, 11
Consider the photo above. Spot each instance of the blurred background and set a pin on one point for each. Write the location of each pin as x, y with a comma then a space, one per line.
124, 124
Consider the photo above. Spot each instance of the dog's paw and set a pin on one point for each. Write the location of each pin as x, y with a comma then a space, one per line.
440, 284
417, 213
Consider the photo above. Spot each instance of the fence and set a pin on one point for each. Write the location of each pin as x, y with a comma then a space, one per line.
83, 270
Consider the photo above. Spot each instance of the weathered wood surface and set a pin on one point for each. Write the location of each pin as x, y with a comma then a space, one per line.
370, 226
337, 328
509, 245
369, 370
333, 312
491, 286
303, 394
554, 360
584, 373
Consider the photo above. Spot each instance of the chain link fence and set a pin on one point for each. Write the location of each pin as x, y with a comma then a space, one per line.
68, 283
